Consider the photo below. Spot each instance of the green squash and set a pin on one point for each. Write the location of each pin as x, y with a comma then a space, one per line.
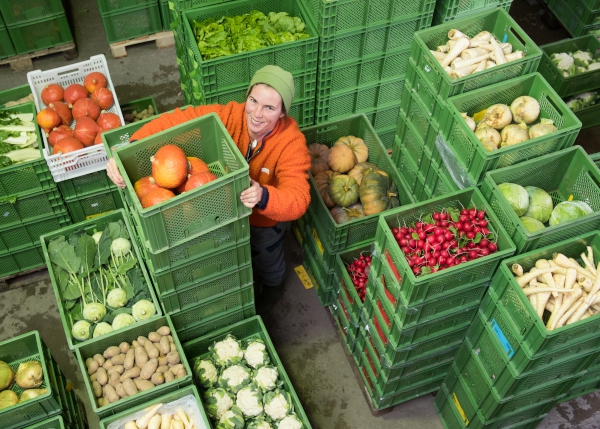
377, 193
343, 190
346, 214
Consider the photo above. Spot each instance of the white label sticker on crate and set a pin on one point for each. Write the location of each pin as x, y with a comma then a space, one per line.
502, 338
6, 214
94, 204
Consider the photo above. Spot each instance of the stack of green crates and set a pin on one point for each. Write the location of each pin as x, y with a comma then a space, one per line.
31, 205
6, 47
412, 326
511, 370
59, 405
226, 78
35, 24
448, 10
323, 237
128, 19
364, 49
15, 94
425, 101
196, 245
567, 87
579, 17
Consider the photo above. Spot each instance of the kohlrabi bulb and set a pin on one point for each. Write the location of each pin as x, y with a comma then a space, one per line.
116, 298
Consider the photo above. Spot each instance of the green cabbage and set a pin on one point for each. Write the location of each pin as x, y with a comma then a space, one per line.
569, 210
540, 204
517, 197
531, 224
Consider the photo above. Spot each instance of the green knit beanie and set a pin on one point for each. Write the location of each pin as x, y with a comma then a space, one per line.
281, 80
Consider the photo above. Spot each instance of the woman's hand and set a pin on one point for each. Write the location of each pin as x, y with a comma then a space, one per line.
252, 196
113, 173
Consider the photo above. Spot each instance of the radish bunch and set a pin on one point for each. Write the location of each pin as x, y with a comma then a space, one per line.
444, 239
358, 270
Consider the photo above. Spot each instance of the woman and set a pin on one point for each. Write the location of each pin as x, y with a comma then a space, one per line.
278, 158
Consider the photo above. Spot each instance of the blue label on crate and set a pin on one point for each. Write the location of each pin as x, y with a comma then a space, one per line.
502, 338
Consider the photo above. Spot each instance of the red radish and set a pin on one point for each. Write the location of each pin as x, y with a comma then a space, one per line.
198, 179
66, 145
73, 93
48, 119
86, 130
59, 133
94, 80
86, 107
108, 121
52, 93
63, 111
104, 97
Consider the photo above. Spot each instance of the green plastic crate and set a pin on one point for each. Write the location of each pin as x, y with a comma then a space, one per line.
91, 226
565, 86
117, 137
21, 260
454, 418
414, 112
30, 206
164, 399
589, 117
596, 158
96, 204
28, 234
40, 33
6, 47
480, 269
439, 182
248, 329
339, 237
387, 136
27, 176
574, 21
322, 281
128, 334
165, 14
131, 22
344, 319
14, 94
139, 105
196, 212
84, 186
18, 11
402, 159
17, 350
336, 17
348, 335
471, 153
586, 384
561, 174
56, 422
236, 70
343, 282
517, 324
496, 21
116, 5
448, 10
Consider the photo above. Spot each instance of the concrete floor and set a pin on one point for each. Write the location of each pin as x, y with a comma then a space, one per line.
300, 328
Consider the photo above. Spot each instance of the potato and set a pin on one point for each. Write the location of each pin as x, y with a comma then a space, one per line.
110, 394
94, 365
170, 338
111, 351
164, 330
129, 359
99, 358
135, 344
88, 361
102, 376
119, 369
175, 368
120, 390
154, 337
149, 369
93, 377
141, 356
101, 402
152, 350
164, 345
173, 358
118, 359
169, 376
97, 389
131, 373
129, 386
143, 385
107, 365
113, 379
180, 373
142, 340
124, 346
162, 368
157, 379
162, 360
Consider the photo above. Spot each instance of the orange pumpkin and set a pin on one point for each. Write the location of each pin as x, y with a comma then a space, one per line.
318, 158
198, 179
322, 181
143, 186
341, 158
169, 166
196, 165
66, 145
357, 145
156, 196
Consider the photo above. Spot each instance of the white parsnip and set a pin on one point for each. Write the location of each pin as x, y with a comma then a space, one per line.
480, 66
506, 48
142, 422
570, 278
547, 277
462, 72
563, 261
460, 63
438, 55
472, 53
517, 55
499, 57
596, 287
536, 290
490, 64
517, 270
456, 34
570, 311
483, 36
461, 44
569, 299
590, 257
532, 274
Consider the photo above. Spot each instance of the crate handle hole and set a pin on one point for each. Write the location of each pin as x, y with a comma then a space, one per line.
327, 129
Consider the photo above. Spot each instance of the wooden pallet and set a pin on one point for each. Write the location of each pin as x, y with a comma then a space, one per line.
163, 39
20, 63
23, 278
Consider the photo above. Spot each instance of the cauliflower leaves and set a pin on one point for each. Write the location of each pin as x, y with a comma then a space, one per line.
232, 419
291, 421
206, 373
277, 404
217, 402
582, 58
258, 423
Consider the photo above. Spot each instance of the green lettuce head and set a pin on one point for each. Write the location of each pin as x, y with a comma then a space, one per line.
540, 204
531, 224
517, 197
568, 211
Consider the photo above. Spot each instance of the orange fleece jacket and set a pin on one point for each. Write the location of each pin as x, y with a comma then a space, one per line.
281, 166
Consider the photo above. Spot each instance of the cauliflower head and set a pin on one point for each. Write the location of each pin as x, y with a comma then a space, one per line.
582, 58
291, 421
206, 373
594, 66
231, 419
563, 61
249, 400
258, 423
266, 377
227, 351
217, 402
277, 404
256, 353
235, 377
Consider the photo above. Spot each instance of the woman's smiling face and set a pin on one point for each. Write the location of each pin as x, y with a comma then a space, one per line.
263, 109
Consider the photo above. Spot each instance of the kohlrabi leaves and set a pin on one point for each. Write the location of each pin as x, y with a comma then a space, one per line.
63, 254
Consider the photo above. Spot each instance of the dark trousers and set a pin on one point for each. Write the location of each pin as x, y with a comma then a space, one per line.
268, 263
